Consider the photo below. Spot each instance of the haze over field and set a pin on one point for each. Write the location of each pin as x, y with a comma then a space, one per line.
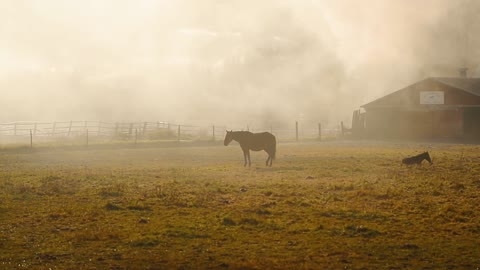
215, 61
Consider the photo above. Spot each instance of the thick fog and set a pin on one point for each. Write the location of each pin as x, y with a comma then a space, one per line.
225, 62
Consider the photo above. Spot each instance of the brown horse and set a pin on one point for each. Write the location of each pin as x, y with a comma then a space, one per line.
255, 142
417, 159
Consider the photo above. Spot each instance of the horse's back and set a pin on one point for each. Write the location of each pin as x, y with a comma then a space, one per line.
264, 137
261, 141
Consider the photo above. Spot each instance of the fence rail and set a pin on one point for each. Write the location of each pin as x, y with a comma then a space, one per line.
19, 132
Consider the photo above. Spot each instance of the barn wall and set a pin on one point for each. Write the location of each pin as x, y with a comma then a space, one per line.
471, 123
408, 124
398, 124
448, 124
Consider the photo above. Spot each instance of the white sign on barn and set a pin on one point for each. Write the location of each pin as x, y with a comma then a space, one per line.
431, 97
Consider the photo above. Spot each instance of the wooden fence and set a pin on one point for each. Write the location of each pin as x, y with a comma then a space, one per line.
21, 132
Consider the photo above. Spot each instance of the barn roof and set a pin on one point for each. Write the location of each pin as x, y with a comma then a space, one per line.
470, 85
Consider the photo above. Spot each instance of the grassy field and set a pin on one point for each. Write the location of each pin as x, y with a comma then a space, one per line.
321, 206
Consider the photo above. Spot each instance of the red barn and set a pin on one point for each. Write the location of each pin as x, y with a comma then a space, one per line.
431, 108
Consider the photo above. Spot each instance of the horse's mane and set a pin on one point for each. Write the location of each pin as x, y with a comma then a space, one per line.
241, 134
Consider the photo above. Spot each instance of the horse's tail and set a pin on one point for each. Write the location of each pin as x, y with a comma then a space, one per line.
274, 148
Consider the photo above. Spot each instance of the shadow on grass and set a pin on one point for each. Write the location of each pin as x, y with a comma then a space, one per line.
279, 169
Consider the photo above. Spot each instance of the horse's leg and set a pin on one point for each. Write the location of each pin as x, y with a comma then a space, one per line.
248, 155
244, 158
269, 159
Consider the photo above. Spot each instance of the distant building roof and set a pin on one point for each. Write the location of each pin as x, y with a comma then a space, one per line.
469, 85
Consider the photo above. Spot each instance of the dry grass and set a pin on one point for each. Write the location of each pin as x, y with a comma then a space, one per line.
322, 206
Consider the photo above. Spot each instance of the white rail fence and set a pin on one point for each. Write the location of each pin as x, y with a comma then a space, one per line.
21, 132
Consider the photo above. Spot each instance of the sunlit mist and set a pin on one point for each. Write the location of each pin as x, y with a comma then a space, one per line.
223, 62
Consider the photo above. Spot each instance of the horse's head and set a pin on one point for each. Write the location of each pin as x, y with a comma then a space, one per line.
228, 138
427, 157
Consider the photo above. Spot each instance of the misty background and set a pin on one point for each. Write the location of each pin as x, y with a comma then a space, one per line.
266, 62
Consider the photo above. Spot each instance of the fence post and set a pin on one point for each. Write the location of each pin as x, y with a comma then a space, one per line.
15, 129
296, 130
213, 132
136, 136
31, 139
178, 134
69, 129
319, 131
116, 129
87, 136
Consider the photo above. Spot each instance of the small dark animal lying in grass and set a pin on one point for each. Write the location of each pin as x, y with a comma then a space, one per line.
417, 159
